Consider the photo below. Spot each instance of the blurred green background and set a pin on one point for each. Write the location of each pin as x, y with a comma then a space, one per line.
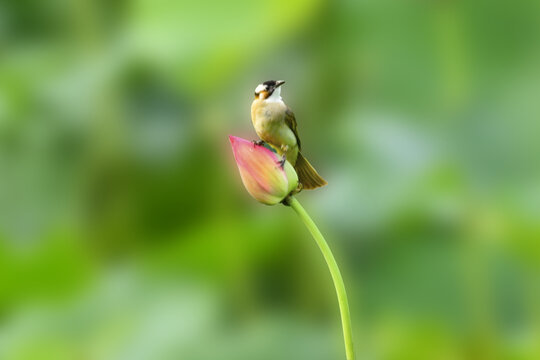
126, 233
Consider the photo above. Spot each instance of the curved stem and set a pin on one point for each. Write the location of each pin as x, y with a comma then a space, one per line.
334, 271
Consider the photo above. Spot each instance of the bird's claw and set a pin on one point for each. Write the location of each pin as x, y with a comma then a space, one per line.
258, 142
282, 161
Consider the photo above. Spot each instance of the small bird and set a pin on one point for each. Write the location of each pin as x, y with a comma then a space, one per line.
275, 124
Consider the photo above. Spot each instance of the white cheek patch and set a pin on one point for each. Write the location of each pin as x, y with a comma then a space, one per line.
260, 88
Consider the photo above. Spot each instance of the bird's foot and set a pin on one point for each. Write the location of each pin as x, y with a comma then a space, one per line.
282, 161
258, 142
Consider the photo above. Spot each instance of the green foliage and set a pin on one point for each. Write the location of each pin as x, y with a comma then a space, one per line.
125, 231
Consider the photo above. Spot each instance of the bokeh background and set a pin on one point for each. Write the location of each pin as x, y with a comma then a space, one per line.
125, 231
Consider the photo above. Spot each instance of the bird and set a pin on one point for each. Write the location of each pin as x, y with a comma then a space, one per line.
275, 124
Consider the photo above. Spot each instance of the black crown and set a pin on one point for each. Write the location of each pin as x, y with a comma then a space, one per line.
270, 83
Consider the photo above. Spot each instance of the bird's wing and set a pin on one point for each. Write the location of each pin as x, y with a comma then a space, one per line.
290, 120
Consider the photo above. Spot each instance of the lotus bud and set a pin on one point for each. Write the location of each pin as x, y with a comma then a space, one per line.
261, 172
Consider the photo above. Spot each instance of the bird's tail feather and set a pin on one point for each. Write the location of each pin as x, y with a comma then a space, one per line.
307, 175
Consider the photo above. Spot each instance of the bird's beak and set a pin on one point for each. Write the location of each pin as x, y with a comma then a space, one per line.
279, 83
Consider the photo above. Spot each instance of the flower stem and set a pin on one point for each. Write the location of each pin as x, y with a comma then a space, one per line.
334, 271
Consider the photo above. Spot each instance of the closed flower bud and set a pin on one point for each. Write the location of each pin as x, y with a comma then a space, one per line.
261, 171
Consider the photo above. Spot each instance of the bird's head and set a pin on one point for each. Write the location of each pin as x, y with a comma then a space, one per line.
269, 88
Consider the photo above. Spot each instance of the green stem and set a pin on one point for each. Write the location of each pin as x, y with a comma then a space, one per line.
334, 271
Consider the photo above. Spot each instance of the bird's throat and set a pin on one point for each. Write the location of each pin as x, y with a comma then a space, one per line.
275, 96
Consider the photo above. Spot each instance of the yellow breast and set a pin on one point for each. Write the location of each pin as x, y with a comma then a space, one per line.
269, 122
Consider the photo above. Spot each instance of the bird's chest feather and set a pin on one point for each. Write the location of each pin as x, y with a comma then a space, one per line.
268, 115
269, 122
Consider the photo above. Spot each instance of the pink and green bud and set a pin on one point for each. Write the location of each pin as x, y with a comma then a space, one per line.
261, 171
